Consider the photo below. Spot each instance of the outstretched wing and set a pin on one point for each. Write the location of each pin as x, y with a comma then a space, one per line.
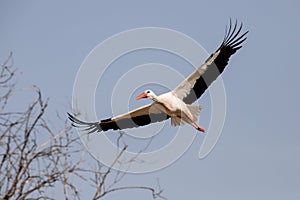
196, 84
139, 117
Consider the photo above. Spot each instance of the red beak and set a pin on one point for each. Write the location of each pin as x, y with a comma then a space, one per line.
143, 95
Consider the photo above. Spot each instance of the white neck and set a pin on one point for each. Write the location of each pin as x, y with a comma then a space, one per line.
153, 97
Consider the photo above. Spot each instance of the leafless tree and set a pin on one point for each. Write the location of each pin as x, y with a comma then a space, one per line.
34, 158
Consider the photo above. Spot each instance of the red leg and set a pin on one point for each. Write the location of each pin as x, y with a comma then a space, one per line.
194, 124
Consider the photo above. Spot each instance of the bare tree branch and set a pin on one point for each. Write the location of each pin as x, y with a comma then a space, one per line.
34, 157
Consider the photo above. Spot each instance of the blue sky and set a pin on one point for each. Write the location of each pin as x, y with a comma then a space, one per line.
257, 156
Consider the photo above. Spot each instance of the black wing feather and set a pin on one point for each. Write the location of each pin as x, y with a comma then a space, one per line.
107, 124
231, 43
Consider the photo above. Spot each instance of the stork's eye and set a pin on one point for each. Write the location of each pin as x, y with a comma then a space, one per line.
148, 92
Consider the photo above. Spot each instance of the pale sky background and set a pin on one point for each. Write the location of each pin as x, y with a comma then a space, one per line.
257, 156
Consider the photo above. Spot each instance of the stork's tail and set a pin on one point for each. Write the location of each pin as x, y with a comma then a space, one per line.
195, 111
86, 126
176, 121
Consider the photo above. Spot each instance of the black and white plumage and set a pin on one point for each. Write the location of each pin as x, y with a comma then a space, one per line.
175, 104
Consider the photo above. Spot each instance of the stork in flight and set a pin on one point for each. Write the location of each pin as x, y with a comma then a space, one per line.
175, 104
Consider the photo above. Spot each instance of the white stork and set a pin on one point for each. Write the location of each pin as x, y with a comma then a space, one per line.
175, 104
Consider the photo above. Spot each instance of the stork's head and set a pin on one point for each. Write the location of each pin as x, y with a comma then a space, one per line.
147, 94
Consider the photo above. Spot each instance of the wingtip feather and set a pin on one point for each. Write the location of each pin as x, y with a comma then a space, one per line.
233, 38
85, 126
